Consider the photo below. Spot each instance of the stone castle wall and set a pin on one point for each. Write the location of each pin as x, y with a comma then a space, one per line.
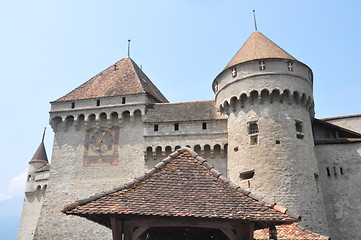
340, 167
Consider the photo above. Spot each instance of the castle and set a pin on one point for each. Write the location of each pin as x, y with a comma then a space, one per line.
259, 132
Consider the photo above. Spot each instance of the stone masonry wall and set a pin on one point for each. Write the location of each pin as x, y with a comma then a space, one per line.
71, 180
340, 178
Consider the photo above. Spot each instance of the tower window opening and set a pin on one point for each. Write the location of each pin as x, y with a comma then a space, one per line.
290, 66
341, 170
123, 100
328, 171
334, 170
176, 126
254, 140
278, 142
29, 177
204, 125
156, 127
253, 128
234, 72
262, 65
98, 103
246, 175
72, 105
299, 129
316, 179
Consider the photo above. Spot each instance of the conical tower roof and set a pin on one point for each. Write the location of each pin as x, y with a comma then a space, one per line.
40, 154
258, 46
122, 78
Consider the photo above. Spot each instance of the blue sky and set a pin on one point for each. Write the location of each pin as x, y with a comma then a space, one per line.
50, 47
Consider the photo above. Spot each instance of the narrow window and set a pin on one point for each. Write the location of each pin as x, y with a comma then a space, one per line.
316, 179
341, 170
204, 125
278, 142
123, 100
299, 129
334, 170
254, 140
328, 171
234, 72
176, 126
98, 103
290, 66
29, 177
262, 65
156, 127
73, 105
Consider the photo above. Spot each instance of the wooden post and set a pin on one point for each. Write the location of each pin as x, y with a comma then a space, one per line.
245, 232
128, 230
116, 228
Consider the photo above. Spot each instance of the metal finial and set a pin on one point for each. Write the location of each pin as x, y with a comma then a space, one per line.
42, 140
128, 47
254, 18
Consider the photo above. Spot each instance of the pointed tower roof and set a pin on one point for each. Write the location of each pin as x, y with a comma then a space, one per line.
40, 154
122, 78
258, 46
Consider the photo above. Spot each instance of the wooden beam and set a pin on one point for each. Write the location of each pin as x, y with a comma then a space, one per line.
117, 230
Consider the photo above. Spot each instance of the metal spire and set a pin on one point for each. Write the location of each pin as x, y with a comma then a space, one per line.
128, 47
42, 140
254, 18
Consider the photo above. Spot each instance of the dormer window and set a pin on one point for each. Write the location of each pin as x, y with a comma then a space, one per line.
262, 65
290, 66
234, 72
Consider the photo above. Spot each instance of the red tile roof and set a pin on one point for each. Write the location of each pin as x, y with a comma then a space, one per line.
287, 232
122, 78
182, 185
258, 46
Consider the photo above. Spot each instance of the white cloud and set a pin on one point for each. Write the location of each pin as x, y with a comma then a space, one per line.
4, 197
17, 184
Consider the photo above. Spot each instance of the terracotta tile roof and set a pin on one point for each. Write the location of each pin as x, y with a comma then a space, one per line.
289, 232
122, 78
258, 46
184, 111
182, 185
40, 154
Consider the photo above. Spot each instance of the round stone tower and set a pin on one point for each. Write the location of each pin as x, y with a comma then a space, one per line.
267, 95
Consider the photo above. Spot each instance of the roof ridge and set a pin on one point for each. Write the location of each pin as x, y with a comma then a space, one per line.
203, 162
78, 87
309, 231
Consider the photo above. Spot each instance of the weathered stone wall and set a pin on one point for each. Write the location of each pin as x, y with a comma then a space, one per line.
279, 154
352, 122
70, 179
31, 212
340, 178
210, 143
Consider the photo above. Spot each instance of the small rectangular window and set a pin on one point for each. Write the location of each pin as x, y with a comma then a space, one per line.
98, 103
176, 126
262, 65
123, 100
73, 105
290, 66
156, 127
299, 129
253, 128
254, 140
204, 125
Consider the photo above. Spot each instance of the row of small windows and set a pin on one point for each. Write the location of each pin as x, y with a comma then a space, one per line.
176, 127
334, 170
253, 130
262, 67
98, 103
